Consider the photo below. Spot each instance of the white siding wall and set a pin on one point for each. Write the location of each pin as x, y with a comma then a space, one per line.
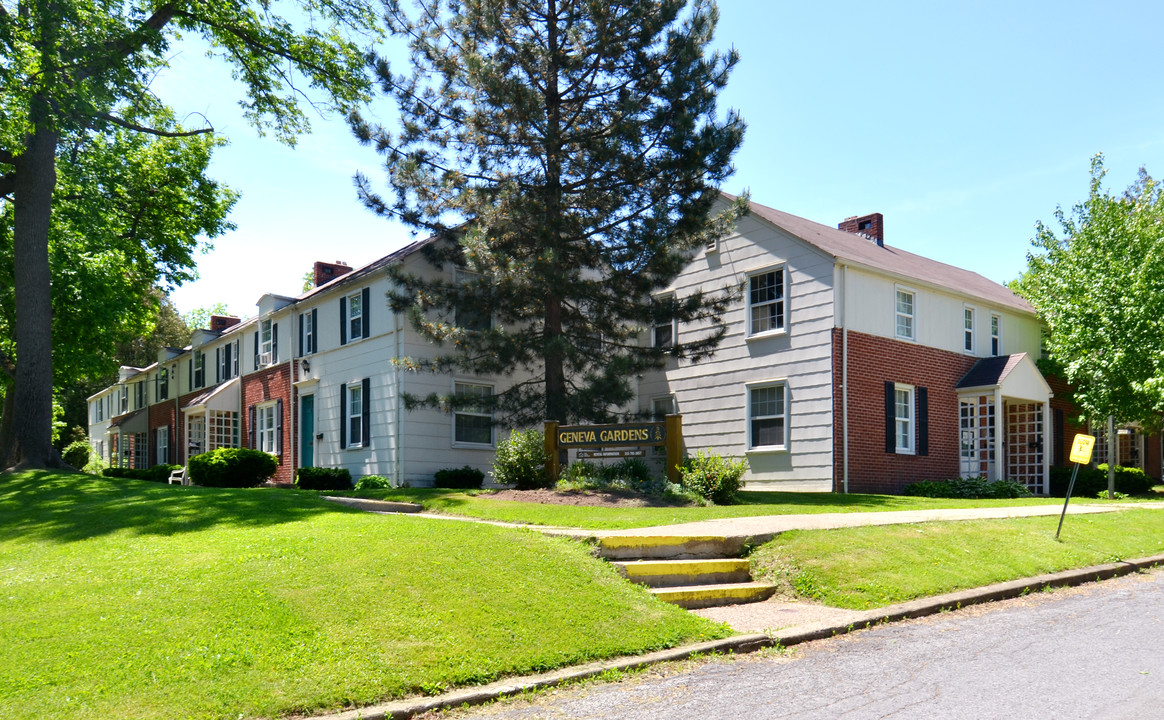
939, 315
712, 395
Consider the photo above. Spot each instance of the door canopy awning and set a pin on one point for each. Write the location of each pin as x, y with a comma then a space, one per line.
224, 397
130, 423
1016, 376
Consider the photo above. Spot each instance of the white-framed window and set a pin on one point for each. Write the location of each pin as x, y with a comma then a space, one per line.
199, 369
665, 333
473, 316
903, 418
99, 449
472, 422
662, 406
163, 443
995, 335
163, 390
968, 329
766, 296
139, 395
222, 430
266, 342
266, 425
904, 313
355, 405
308, 344
100, 410
768, 415
355, 316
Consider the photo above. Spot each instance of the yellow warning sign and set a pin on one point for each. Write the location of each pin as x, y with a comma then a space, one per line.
1081, 449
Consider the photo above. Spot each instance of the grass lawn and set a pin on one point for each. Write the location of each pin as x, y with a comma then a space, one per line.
456, 502
869, 567
127, 599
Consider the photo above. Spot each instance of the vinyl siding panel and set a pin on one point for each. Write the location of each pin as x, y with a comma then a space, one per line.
712, 396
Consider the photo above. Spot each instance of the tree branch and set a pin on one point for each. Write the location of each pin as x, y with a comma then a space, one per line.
7, 184
152, 131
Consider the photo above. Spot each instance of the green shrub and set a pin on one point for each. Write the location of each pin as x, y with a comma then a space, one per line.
95, 466
157, 473
1130, 481
77, 453
628, 474
373, 482
521, 461
713, 477
967, 488
462, 478
232, 467
317, 478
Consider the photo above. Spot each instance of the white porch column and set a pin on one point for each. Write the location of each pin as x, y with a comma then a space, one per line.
1047, 439
999, 471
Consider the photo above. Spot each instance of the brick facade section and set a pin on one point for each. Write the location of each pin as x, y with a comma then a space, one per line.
161, 415
273, 383
873, 361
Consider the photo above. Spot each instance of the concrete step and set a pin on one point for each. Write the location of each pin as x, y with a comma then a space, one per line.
673, 573
701, 596
663, 547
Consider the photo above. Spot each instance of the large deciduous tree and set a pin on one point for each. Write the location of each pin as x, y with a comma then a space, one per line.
1099, 286
72, 69
570, 151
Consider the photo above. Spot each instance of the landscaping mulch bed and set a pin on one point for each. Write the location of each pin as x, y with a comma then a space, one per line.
590, 498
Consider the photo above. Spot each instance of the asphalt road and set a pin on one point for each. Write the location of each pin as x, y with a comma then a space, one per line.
1094, 652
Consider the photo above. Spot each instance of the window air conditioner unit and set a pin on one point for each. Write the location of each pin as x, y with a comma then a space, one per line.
265, 358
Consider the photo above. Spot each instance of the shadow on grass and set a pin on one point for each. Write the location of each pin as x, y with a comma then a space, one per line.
69, 506
820, 499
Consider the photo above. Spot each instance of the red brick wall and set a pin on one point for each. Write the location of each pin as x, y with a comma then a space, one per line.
873, 361
161, 415
273, 383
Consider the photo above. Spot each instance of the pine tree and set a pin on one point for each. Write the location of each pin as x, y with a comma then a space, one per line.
570, 152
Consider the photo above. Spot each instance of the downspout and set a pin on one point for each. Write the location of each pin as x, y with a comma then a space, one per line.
293, 410
844, 379
399, 380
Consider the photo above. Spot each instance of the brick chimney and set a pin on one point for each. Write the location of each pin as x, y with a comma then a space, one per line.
218, 323
867, 226
326, 272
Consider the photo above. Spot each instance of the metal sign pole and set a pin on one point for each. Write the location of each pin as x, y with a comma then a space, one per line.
1080, 453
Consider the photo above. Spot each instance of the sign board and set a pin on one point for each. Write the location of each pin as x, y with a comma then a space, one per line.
612, 453
1081, 449
596, 436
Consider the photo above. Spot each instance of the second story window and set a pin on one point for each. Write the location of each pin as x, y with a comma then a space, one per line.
355, 320
199, 369
139, 394
356, 317
766, 302
904, 314
995, 335
163, 381
968, 329
266, 343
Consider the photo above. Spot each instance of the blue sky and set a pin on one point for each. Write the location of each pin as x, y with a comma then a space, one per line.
963, 124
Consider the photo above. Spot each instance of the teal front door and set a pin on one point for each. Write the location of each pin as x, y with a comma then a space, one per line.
307, 431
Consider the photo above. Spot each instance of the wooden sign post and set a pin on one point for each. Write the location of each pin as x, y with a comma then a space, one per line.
1080, 455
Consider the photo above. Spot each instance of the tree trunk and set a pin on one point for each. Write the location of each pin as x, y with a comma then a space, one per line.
36, 177
555, 355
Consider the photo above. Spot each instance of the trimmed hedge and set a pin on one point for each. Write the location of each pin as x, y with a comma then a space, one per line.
317, 478
462, 478
1091, 480
158, 473
967, 488
232, 468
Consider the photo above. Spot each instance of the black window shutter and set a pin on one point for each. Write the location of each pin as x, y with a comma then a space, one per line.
190, 373
274, 343
171, 451
217, 365
890, 419
343, 321
256, 367
315, 330
251, 428
279, 428
923, 421
367, 418
367, 307
302, 350
343, 415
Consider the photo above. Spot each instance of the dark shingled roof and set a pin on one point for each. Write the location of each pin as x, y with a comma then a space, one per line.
989, 372
856, 249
